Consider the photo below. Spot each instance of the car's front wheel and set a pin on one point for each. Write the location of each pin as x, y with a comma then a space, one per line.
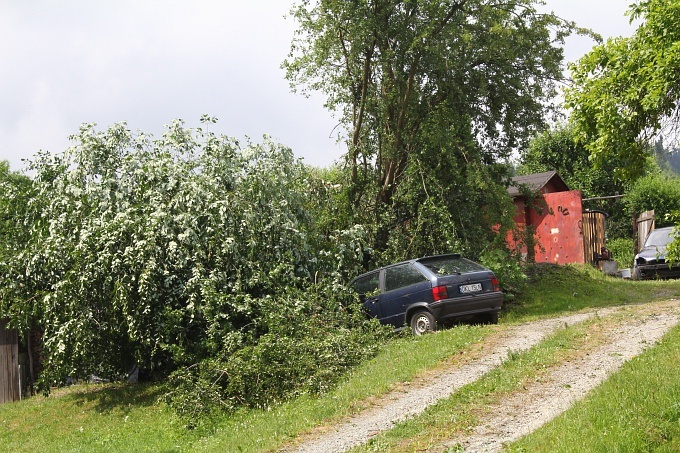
422, 322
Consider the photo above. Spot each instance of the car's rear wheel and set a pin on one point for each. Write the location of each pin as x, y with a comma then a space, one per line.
422, 322
493, 317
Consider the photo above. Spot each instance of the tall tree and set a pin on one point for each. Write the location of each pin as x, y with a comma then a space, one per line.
16, 224
627, 90
559, 150
420, 82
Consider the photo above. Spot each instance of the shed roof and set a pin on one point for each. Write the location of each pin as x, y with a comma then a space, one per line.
536, 182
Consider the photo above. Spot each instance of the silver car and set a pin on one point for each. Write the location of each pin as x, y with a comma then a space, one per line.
650, 262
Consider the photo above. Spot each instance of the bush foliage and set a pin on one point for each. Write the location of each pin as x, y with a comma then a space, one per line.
164, 252
622, 251
658, 191
311, 341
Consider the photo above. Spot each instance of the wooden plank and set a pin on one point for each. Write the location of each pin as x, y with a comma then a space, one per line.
643, 225
9, 363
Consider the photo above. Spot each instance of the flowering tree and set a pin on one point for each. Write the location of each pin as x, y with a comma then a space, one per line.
158, 252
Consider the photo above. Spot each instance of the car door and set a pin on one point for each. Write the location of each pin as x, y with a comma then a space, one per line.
368, 288
403, 285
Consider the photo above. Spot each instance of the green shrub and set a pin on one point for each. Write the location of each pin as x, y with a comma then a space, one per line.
508, 270
311, 340
658, 192
622, 251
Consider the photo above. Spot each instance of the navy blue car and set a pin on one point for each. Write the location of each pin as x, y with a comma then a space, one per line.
424, 292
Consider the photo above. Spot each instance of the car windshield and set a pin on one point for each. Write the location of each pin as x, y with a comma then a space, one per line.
449, 265
659, 238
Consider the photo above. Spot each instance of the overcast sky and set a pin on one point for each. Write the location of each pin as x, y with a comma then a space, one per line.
147, 62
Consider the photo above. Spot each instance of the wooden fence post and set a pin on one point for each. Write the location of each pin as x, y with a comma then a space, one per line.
9, 363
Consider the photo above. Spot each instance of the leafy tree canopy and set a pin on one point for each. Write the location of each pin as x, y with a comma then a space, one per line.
627, 90
558, 150
426, 90
659, 192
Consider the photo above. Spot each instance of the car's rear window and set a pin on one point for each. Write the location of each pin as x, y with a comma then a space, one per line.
449, 265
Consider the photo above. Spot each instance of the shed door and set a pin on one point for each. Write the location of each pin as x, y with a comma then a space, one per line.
593, 235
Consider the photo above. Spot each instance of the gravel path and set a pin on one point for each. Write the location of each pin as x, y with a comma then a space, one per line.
512, 418
523, 413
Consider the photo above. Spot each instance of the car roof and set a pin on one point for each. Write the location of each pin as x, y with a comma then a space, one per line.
661, 229
411, 261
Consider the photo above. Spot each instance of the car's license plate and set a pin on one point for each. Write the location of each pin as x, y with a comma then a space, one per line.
472, 288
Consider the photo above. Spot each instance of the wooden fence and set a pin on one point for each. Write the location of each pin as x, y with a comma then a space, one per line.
9, 364
593, 235
644, 223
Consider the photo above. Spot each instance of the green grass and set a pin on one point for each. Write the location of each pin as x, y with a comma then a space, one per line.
460, 412
556, 290
91, 418
130, 418
401, 361
54, 423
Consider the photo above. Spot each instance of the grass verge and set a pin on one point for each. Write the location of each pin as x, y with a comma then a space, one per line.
129, 418
91, 418
554, 290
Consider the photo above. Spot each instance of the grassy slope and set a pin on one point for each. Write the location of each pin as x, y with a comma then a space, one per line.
554, 290
638, 408
655, 425
130, 419
90, 418
55, 423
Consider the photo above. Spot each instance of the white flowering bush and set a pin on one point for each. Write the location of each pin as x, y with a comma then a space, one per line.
168, 252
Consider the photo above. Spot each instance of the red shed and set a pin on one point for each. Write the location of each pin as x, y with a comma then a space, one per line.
556, 220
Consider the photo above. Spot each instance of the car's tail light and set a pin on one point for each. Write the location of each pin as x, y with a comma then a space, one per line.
495, 284
439, 293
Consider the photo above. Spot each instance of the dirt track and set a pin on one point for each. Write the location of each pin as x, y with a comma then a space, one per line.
524, 412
